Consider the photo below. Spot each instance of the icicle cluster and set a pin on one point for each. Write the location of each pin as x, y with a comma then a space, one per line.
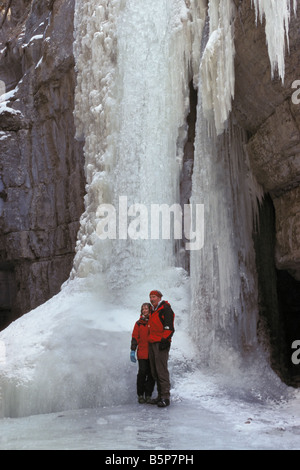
277, 17
223, 279
217, 64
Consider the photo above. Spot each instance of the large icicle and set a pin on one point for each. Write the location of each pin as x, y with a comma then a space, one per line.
223, 279
217, 64
277, 16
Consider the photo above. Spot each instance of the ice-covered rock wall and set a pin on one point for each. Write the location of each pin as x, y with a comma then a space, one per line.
224, 307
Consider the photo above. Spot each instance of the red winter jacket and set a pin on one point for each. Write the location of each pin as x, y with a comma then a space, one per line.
161, 323
139, 338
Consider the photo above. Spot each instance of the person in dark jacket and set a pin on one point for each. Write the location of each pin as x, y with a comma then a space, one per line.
161, 330
139, 343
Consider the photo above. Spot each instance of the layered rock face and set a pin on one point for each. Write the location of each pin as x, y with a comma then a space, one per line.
269, 110
41, 164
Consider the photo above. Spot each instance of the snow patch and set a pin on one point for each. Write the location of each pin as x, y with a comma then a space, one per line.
5, 98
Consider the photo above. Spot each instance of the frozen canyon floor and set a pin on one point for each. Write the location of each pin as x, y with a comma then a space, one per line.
206, 422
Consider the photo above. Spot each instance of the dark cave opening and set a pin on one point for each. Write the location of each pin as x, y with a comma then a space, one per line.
288, 289
187, 167
279, 300
7, 294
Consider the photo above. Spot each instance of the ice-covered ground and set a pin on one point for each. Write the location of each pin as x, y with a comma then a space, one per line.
74, 359
201, 418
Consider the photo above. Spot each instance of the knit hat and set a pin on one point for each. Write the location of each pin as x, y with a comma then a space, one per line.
156, 292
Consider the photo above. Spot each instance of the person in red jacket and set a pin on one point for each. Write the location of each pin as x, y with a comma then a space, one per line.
161, 330
139, 342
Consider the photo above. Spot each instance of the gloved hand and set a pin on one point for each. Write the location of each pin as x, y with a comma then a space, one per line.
132, 356
164, 344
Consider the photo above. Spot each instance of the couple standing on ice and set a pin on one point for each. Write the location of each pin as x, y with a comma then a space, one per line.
151, 337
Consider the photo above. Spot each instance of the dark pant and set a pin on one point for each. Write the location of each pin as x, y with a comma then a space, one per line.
159, 369
145, 382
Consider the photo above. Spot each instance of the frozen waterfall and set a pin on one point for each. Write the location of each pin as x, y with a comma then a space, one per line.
135, 98
135, 62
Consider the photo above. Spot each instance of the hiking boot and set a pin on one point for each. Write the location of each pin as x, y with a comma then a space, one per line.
153, 401
148, 400
141, 399
163, 402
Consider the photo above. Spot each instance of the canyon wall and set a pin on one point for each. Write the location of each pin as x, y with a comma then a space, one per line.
41, 164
